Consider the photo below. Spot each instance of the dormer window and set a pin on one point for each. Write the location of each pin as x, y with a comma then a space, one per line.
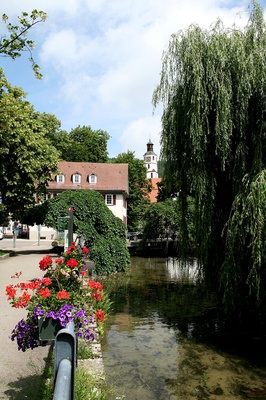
76, 178
92, 178
60, 178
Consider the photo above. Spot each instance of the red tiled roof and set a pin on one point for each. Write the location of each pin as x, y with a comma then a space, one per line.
154, 191
110, 177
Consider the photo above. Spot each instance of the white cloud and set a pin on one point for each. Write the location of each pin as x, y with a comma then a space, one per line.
137, 134
15, 7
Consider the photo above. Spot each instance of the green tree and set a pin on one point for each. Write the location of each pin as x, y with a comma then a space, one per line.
139, 189
160, 168
61, 141
87, 145
35, 214
104, 233
163, 220
15, 41
4, 220
27, 158
59, 138
213, 144
165, 191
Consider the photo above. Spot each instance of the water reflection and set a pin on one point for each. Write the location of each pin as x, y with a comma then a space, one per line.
151, 348
183, 272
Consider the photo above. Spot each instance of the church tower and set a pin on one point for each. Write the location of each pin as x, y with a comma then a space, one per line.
150, 161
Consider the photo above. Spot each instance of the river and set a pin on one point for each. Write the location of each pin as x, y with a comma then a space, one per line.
160, 338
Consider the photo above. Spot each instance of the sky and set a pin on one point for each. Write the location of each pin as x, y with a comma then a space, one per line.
101, 60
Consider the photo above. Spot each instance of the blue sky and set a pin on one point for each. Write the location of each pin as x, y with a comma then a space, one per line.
101, 60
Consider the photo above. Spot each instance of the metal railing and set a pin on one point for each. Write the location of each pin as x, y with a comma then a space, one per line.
65, 363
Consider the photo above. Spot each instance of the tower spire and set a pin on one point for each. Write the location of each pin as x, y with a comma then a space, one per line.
150, 161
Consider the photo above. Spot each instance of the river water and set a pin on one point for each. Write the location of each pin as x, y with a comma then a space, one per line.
159, 338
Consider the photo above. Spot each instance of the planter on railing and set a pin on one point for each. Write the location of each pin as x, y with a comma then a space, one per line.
90, 266
48, 328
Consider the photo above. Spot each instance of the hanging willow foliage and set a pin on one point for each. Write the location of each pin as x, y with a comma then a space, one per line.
213, 143
244, 266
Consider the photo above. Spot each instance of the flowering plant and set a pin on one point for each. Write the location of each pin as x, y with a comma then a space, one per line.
64, 294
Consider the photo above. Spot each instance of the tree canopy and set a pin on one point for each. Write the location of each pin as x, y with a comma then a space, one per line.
162, 221
15, 41
139, 188
27, 158
104, 233
213, 145
86, 145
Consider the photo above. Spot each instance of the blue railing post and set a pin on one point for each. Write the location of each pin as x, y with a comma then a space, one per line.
65, 363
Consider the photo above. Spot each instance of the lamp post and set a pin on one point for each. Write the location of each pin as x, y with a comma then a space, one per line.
70, 226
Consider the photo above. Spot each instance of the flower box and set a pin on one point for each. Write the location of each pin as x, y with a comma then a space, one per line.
62, 295
48, 328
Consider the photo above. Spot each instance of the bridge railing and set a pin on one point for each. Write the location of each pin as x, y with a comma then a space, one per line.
65, 363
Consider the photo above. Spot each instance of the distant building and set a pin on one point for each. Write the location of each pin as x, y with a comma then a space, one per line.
111, 180
150, 161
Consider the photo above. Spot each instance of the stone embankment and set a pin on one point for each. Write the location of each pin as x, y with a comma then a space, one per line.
94, 364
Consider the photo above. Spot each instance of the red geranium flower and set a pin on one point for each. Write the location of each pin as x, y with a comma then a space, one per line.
59, 261
71, 249
97, 295
44, 292
46, 281
62, 295
10, 292
72, 263
95, 285
45, 263
85, 250
99, 315
23, 300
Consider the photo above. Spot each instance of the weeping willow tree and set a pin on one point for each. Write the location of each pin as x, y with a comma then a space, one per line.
213, 90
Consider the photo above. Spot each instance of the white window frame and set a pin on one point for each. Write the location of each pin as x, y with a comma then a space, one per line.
109, 199
76, 178
60, 178
93, 178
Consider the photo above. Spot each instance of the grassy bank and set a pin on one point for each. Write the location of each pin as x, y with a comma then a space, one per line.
88, 385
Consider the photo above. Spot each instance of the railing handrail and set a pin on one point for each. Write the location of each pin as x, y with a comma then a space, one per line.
65, 363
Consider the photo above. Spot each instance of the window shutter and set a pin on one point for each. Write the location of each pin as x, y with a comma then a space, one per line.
114, 199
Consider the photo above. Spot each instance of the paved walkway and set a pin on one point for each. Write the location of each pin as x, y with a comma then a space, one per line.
18, 370
26, 246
